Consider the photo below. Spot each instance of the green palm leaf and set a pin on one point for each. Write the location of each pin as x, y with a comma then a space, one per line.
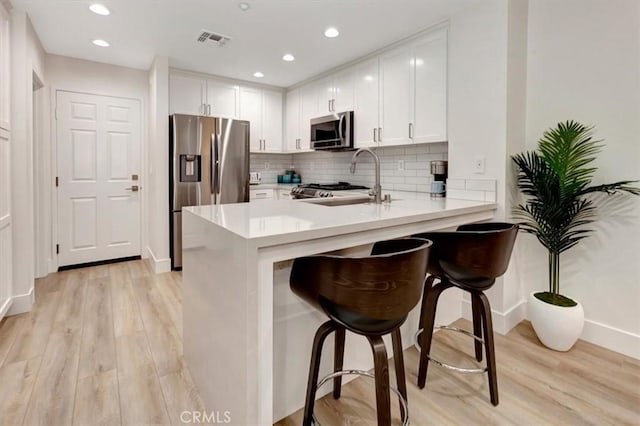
555, 181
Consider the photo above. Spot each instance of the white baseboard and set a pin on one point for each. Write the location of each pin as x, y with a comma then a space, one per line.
22, 303
5, 307
158, 266
611, 338
503, 322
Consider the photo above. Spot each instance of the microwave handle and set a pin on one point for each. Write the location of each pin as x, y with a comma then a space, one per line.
340, 134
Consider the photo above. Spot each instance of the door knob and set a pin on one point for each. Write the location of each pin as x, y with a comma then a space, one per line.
134, 188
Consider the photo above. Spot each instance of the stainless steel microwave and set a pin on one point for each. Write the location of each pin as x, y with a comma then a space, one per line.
332, 132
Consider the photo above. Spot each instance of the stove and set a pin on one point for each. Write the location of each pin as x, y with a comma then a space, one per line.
321, 190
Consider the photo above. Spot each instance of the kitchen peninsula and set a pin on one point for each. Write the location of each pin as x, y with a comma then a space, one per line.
247, 338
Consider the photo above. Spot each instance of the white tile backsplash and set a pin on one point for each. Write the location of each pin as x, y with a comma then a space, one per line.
472, 189
325, 167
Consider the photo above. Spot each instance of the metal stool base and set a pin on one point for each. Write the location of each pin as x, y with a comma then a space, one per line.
335, 374
444, 364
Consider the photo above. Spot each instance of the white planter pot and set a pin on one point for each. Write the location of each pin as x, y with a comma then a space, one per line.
557, 327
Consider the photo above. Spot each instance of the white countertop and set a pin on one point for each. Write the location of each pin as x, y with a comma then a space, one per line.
283, 221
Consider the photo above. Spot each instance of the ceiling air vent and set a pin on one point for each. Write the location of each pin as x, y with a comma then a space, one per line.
209, 36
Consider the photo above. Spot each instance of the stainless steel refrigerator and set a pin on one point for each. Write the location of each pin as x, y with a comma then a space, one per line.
209, 164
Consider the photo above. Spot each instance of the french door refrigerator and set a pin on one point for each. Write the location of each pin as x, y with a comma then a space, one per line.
209, 164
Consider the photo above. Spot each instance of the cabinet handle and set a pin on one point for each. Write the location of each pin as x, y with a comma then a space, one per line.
379, 134
264, 141
329, 105
375, 132
410, 130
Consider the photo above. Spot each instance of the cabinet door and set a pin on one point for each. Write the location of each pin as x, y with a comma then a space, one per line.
292, 133
272, 120
308, 110
251, 110
430, 104
222, 99
4, 68
324, 90
395, 95
343, 90
186, 95
366, 103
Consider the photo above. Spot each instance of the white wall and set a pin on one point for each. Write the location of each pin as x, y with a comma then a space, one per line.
158, 166
584, 64
77, 75
27, 58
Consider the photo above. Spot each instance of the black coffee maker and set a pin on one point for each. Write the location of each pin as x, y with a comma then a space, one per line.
439, 172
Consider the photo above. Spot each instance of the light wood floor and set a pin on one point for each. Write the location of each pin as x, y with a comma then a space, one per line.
103, 346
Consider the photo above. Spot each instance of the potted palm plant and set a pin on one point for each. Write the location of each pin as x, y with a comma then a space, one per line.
556, 182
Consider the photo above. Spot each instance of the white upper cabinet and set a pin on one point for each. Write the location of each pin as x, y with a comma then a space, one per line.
366, 104
430, 77
413, 92
301, 107
4, 68
251, 110
263, 109
395, 97
292, 121
187, 95
222, 99
336, 92
199, 96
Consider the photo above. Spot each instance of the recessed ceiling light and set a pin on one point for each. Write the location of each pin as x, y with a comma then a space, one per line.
99, 9
331, 32
258, 74
244, 6
101, 43
288, 57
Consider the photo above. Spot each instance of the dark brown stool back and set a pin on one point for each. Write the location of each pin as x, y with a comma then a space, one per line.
370, 296
470, 258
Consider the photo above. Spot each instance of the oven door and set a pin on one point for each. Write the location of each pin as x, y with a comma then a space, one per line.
333, 131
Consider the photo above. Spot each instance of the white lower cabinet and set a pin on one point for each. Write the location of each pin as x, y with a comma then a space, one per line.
261, 194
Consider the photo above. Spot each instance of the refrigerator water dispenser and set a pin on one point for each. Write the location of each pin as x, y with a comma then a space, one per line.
190, 168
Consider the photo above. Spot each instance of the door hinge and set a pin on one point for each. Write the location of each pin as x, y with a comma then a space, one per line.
56, 181
57, 248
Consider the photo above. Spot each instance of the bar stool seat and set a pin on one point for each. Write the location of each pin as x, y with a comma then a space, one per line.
370, 296
471, 258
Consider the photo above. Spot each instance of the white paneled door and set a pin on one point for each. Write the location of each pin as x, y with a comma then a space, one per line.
99, 141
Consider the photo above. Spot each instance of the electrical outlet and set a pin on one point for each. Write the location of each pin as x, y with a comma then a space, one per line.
266, 165
400, 164
478, 164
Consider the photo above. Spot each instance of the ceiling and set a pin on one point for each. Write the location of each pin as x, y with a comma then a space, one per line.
140, 29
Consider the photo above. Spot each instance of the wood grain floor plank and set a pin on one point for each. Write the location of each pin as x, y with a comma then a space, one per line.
172, 297
16, 385
141, 398
10, 328
32, 342
97, 400
180, 395
164, 341
126, 314
97, 350
132, 353
68, 317
54, 392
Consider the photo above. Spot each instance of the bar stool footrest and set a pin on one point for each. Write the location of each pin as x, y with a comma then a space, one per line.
444, 364
340, 373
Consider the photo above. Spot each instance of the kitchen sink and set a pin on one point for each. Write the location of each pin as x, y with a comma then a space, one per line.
339, 201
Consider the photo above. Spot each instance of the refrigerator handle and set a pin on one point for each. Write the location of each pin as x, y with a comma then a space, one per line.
215, 175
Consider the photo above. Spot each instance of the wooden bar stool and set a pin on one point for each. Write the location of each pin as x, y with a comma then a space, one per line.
471, 259
370, 296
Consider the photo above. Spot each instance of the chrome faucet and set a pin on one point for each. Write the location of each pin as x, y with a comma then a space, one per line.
376, 192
